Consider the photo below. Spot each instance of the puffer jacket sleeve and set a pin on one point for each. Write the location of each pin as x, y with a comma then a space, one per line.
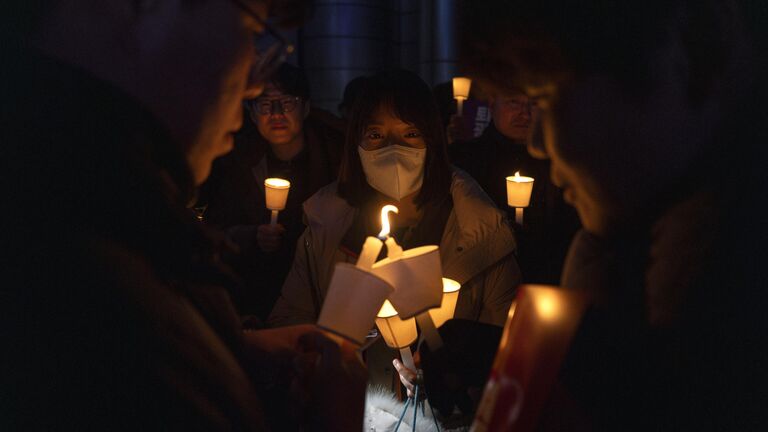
297, 304
499, 283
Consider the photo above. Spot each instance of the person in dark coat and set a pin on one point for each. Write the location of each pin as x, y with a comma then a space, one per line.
651, 117
549, 223
283, 138
115, 313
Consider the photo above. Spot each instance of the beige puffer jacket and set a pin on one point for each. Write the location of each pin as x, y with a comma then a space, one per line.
476, 250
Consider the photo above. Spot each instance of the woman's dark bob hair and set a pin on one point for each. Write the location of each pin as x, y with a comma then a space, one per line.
410, 99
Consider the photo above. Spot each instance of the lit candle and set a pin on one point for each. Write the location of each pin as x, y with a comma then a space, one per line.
461, 91
397, 333
276, 191
519, 190
373, 245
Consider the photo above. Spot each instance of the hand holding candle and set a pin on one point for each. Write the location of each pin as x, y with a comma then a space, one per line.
519, 190
461, 91
276, 192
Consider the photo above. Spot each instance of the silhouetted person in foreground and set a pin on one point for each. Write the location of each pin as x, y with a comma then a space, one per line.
650, 115
114, 313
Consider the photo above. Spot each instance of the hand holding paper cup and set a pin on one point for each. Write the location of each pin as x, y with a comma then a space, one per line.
354, 298
276, 192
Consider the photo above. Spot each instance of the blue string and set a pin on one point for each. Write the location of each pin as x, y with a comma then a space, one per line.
415, 408
405, 409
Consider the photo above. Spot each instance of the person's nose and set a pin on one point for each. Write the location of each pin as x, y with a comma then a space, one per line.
276, 109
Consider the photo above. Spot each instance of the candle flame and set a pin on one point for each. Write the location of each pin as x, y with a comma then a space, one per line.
517, 174
385, 229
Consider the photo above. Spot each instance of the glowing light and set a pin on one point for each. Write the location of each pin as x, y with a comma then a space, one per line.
385, 229
450, 285
387, 310
277, 183
547, 305
448, 303
461, 87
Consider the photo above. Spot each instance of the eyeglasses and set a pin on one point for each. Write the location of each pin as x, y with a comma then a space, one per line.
277, 47
266, 106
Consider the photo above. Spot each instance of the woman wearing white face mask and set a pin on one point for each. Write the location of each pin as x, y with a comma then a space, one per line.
395, 153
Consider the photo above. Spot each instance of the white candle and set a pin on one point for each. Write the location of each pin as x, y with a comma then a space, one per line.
393, 249
519, 190
372, 246
276, 194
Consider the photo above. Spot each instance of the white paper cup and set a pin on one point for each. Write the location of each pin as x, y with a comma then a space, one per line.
416, 277
354, 298
276, 191
448, 305
519, 190
397, 333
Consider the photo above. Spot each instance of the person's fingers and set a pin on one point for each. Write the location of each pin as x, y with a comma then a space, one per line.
403, 370
269, 237
407, 376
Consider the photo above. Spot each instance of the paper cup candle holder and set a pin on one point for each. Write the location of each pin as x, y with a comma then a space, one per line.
448, 304
461, 92
355, 295
354, 298
397, 333
519, 190
276, 192
411, 280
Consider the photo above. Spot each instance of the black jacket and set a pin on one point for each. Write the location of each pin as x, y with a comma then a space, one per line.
549, 223
113, 311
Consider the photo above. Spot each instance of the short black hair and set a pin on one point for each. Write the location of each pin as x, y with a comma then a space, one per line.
291, 80
410, 99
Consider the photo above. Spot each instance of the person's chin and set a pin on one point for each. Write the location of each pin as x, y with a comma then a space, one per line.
277, 135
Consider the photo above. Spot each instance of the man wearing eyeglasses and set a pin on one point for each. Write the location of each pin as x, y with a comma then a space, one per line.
549, 224
114, 310
282, 138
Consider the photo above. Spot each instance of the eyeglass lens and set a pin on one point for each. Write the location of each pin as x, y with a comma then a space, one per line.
276, 106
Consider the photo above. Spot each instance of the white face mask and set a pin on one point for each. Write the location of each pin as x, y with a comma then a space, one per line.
396, 171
